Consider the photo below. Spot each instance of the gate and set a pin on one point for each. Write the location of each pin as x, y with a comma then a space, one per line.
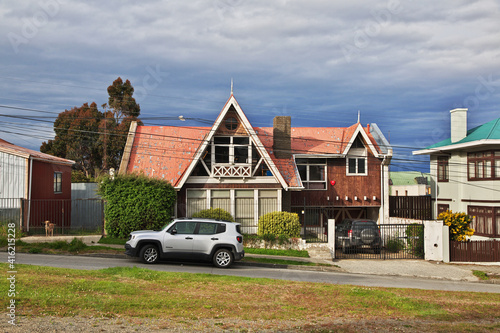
314, 221
475, 251
398, 241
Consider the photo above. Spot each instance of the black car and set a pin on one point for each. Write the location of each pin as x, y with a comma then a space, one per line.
353, 234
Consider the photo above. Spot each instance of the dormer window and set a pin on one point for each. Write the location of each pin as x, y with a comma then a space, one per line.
356, 159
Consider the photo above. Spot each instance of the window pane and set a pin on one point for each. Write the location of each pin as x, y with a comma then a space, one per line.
352, 165
220, 194
207, 228
221, 154
241, 140
268, 193
185, 227
361, 165
487, 169
244, 193
316, 172
222, 139
241, 154
480, 166
196, 194
472, 170
303, 172
497, 169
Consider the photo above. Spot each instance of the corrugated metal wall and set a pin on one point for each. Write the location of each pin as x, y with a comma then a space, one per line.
12, 176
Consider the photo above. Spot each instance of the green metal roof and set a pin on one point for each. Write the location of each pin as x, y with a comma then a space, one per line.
407, 177
490, 130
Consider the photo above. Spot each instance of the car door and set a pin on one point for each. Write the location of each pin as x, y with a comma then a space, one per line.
209, 234
179, 238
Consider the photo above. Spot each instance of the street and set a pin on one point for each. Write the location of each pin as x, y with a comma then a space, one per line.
94, 263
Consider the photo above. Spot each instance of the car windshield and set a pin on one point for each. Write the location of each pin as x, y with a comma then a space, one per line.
364, 224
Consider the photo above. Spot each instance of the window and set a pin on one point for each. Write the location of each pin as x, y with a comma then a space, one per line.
484, 165
231, 123
486, 220
196, 201
356, 159
184, 228
57, 182
312, 173
234, 150
442, 164
442, 208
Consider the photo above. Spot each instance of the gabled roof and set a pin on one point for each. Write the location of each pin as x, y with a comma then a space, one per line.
10, 148
171, 153
488, 133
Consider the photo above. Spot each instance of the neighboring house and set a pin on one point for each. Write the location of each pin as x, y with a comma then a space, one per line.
410, 183
324, 172
467, 169
37, 178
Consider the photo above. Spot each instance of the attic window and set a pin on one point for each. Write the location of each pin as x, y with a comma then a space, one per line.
231, 123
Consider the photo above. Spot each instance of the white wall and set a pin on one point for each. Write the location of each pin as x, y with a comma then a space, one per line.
12, 176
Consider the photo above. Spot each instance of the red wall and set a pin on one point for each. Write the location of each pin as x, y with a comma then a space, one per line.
42, 186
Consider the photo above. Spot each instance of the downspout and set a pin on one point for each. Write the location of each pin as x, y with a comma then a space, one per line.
382, 216
30, 176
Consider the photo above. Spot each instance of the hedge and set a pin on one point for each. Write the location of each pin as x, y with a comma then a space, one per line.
136, 202
280, 223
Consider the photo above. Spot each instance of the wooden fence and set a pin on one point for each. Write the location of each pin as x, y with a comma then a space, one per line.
411, 207
475, 251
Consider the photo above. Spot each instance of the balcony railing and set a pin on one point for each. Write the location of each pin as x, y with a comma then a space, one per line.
232, 170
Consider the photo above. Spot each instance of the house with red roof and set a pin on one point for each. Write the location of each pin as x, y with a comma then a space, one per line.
30, 181
319, 172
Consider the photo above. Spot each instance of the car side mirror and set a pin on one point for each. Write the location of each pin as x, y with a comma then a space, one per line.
173, 231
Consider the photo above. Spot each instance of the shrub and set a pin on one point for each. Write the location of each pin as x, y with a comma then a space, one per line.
415, 234
280, 223
459, 225
136, 202
395, 245
214, 213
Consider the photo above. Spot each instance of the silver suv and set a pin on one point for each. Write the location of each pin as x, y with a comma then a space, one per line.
203, 239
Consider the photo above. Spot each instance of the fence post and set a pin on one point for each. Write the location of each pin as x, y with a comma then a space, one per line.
446, 243
331, 236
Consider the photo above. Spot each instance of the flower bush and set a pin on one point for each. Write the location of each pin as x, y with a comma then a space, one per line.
459, 225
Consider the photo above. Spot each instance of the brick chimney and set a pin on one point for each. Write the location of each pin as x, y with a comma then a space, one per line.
282, 144
458, 124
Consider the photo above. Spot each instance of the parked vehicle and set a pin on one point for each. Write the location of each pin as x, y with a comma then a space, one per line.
352, 234
193, 239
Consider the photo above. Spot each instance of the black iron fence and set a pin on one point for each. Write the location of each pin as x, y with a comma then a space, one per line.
69, 216
397, 241
411, 207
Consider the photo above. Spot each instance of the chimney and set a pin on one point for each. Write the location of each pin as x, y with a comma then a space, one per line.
458, 124
282, 141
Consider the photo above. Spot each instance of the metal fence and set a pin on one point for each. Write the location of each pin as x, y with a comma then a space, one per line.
69, 216
411, 207
475, 251
399, 241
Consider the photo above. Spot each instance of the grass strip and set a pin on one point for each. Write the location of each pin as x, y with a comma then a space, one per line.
144, 293
287, 253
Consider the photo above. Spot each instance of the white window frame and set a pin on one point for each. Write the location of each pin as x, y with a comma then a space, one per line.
305, 182
357, 154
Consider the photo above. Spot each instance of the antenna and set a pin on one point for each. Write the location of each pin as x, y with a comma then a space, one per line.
231, 86
359, 114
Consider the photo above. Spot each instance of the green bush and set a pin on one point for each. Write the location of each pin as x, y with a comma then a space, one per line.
395, 245
214, 213
136, 202
280, 223
415, 234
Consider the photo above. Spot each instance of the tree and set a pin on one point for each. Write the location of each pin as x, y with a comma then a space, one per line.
77, 138
95, 139
121, 101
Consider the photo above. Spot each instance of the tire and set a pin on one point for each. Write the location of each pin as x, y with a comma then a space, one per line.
149, 254
368, 236
223, 258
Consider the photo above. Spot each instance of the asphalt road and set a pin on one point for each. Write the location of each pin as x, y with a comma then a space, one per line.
93, 263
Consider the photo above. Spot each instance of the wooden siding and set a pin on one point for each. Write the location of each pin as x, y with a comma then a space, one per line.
43, 181
345, 185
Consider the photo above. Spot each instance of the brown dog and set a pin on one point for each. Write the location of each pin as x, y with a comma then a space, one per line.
49, 228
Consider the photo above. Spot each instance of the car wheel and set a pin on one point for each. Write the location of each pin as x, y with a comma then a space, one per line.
223, 258
149, 254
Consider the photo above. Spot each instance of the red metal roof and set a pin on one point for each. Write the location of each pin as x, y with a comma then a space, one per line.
166, 152
8, 147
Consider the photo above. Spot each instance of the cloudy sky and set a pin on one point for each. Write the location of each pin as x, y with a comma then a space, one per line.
402, 64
